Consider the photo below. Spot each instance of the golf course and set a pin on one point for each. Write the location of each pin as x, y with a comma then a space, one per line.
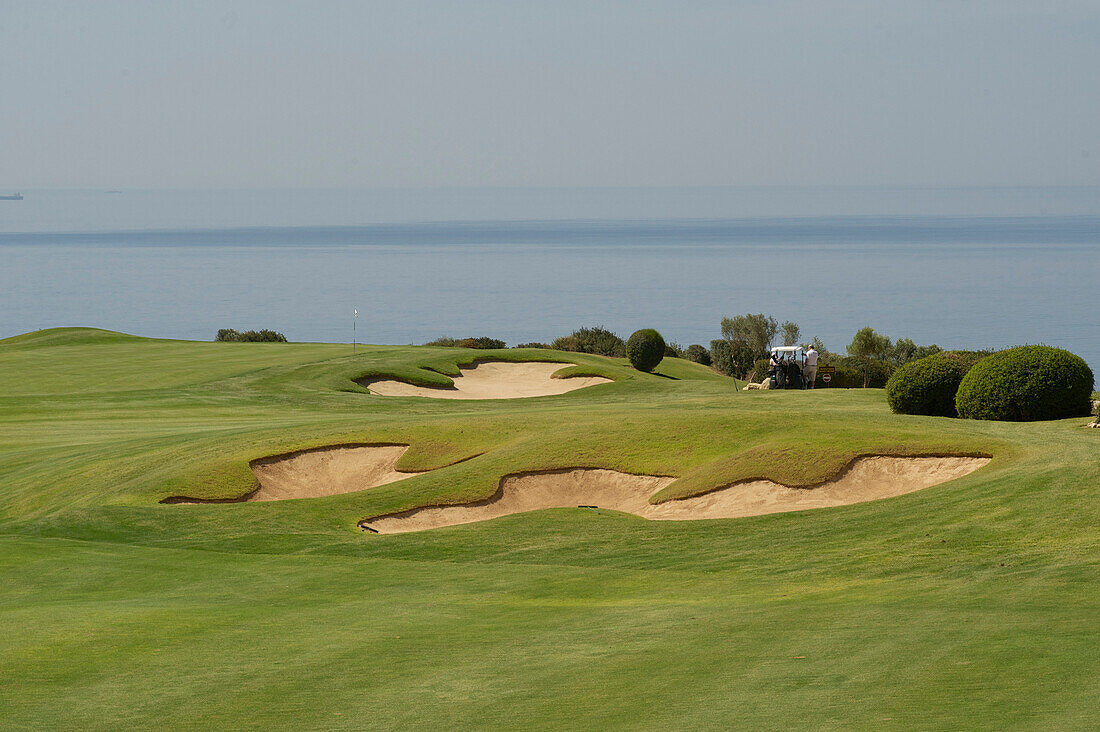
235, 535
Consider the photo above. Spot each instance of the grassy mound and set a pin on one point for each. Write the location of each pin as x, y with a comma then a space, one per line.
1025, 384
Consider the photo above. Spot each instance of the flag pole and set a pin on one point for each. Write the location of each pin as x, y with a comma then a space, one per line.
354, 318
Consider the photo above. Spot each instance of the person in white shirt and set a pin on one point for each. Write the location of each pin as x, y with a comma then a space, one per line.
809, 372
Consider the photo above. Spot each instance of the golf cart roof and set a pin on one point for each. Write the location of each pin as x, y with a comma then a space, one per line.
786, 349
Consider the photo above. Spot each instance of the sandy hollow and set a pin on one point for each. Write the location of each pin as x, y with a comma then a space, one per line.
326, 471
492, 380
866, 479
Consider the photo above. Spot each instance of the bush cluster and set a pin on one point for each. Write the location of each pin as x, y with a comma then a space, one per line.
484, 342
1025, 384
851, 371
532, 344
928, 385
645, 349
597, 340
228, 335
698, 354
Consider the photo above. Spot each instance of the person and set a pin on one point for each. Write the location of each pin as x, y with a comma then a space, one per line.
794, 374
809, 371
773, 370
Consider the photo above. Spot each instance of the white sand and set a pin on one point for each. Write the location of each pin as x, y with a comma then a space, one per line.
327, 471
868, 479
493, 380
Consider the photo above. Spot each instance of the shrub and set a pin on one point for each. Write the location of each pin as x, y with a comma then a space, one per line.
928, 385
760, 370
483, 342
596, 340
533, 344
674, 350
645, 349
845, 377
228, 335
1025, 384
855, 373
698, 354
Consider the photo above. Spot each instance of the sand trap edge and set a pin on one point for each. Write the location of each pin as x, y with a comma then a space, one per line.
279, 457
446, 392
498, 494
840, 474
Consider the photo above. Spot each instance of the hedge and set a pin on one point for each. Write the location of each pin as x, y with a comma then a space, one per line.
928, 385
1025, 384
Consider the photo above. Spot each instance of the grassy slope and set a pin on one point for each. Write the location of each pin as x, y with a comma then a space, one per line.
965, 605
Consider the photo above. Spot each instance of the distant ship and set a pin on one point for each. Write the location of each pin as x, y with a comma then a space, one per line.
11, 196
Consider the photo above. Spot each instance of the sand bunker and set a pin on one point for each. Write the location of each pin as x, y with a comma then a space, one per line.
326, 471
866, 479
493, 380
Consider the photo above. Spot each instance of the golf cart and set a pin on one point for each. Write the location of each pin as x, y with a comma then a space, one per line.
790, 361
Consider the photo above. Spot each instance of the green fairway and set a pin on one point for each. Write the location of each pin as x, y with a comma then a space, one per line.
968, 605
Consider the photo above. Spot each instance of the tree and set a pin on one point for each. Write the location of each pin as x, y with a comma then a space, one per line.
791, 333
697, 353
756, 331
905, 350
732, 359
869, 346
721, 354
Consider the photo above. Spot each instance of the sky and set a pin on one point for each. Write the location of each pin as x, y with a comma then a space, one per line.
416, 93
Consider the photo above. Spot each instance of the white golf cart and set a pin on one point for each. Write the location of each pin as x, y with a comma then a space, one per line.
790, 362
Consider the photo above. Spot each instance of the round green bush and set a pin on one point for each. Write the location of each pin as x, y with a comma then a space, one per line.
928, 385
645, 348
698, 354
1025, 384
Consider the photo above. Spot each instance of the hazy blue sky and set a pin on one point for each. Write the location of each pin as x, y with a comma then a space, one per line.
333, 94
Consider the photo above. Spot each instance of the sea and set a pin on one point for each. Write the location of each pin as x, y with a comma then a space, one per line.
960, 267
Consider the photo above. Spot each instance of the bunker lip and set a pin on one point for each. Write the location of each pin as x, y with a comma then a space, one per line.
865, 478
848, 467
350, 467
491, 379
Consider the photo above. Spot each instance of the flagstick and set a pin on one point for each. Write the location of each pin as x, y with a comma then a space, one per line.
354, 319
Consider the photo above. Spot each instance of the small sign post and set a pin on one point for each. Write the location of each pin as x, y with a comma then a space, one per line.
826, 373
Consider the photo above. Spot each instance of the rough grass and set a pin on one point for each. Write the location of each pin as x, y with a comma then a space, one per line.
966, 605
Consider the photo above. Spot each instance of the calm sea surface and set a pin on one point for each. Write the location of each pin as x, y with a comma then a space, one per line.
958, 267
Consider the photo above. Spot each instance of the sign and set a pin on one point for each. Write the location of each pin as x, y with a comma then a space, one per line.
826, 378
826, 370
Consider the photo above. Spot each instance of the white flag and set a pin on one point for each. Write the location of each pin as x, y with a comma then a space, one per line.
356, 313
